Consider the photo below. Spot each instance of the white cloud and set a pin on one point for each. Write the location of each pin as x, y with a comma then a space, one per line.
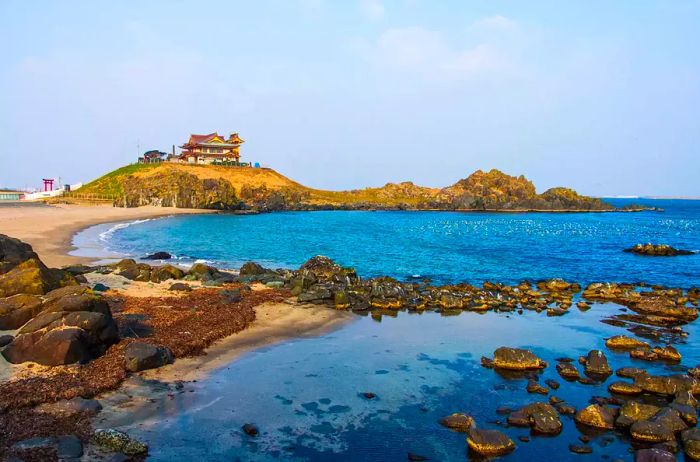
496, 22
373, 9
426, 52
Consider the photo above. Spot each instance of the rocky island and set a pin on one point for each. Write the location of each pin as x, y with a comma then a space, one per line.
261, 189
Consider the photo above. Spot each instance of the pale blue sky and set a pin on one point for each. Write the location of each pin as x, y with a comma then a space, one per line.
603, 96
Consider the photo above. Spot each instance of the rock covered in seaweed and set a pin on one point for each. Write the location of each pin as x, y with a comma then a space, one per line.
657, 250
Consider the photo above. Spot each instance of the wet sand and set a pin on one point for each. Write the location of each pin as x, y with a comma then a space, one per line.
50, 228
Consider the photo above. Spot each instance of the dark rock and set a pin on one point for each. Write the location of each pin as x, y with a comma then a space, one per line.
38, 442
5, 340
580, 449
368, 395
140, 356
534, 387
232, 295
71, 407
633, 411
458, 421
691, 443
596, 365
416, 457
250, 429
654, 455
78, 270
516, 359
32, 277
55, 347
165, 272
541, 417
568, 371
252, 269
203, 272
69, 447
624, 388
99, 287
630, 372
657, 250
16, 310
596, 416
553, 384
158, 256
489, 443
663, 426
666, 385
180, 287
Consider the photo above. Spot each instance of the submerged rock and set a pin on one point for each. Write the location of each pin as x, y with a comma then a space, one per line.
654, 455
250, 429
624, 388
458, 421
516, 359
691, 443
489, 443
541, 417
568, 371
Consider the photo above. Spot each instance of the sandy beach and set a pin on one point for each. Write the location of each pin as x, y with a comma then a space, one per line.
50, 228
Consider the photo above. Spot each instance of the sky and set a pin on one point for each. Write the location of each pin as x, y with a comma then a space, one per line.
596, 95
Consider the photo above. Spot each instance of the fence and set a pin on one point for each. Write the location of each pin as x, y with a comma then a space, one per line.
92, 196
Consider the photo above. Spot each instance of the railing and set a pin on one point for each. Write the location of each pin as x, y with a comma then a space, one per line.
92, 196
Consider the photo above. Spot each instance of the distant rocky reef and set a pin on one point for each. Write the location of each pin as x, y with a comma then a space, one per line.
658, 250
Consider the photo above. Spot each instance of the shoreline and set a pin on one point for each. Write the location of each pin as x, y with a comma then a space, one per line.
50, 229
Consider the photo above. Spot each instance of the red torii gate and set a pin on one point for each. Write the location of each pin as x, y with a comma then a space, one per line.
48, 184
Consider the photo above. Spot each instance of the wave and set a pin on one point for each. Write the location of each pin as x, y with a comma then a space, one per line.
105, 235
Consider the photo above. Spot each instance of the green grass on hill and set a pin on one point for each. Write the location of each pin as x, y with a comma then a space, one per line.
110, 184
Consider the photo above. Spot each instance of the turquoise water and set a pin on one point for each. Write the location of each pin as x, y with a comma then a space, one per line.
304, 394
447, 247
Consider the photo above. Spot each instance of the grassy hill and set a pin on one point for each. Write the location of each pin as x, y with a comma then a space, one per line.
208, 186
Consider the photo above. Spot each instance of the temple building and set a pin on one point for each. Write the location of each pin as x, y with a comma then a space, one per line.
211, 148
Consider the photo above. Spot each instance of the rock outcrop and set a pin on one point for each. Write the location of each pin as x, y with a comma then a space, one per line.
657, 250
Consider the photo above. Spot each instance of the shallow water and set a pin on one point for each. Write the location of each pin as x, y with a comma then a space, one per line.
445, 246
305, 394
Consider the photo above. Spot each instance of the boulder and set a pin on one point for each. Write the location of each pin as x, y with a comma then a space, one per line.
458, 421
32, 277
133, 271
323, 269
541, 417
180, 287
165, 272
596, 416
116, 441
666, 385
654, 455
13, 252
59, 346
624, 388
158, 256
661, 427
16, 310
202, 272
691, 443
252, 269
623, 342
140, 356
489, 443
633, 411
71, 407
75, 325
6, 340
250, 429
568, 371
630, 372
516, 359
596, 365
533, 386
69, 447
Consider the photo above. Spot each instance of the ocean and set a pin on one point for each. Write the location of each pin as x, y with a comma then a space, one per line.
305, 394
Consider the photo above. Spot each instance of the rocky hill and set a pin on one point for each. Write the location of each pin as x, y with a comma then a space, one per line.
230, 188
